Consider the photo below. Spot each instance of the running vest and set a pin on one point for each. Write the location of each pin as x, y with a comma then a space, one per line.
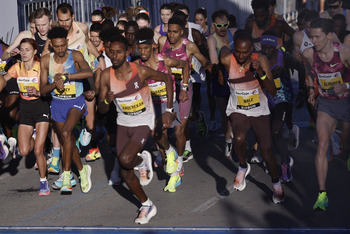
133, 100
77, 41
179, 54
331, 73
73, 88
306, 43
40, 42
257, 33
26, 78
161, 32
197, 71
247, 96
158, 88
219, 43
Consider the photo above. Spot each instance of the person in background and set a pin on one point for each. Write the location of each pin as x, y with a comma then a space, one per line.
166, 12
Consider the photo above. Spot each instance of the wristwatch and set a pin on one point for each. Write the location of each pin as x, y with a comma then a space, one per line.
100, 56
170, 110
184, 87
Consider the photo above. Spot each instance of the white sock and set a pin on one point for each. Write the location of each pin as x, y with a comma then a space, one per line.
43, 179
188, 145
229, 140
179, 163
147, 203
170, 150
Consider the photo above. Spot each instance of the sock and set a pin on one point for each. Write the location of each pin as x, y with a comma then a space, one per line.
175, 173
245, 165
188, 145
56, 152
170, 150
147, 203
43, 179
179, 163
229, 140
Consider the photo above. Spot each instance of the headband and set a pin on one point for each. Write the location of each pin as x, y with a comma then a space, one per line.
146, 41
268, 40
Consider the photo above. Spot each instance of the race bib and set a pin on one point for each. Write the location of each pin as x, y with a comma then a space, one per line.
327, 81
132, 105
247, 99
158, 91
192, 68
2, 65
277, 83
68, 92
177, 73
25, 82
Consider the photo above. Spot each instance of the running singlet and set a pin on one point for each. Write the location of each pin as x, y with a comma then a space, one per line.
257, 33
306, 43
246, 96
161, 32
40, 42
158, 88
133, 100
330, 73
197, 71
26, 78
77, 42
179, 54
72, 89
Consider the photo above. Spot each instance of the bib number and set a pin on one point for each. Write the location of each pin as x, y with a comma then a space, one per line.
247, 99
132, 105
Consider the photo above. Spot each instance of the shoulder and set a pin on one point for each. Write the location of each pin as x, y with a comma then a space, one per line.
83, 26
233, 30
344, 50
249, 25
162, 40
45, 59
157, 29
298, 36
308, 53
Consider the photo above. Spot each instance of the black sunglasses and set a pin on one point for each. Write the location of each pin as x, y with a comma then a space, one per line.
334, 6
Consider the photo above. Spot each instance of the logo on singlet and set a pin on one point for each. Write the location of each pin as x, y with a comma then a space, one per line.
306, 43
136, 85
333, 65
143, 140
179, 54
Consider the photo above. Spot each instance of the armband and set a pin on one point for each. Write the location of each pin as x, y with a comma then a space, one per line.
107, 103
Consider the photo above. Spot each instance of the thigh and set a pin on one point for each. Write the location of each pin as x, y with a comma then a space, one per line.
325, 126
25, 133
262, 129
240, 126
41, 132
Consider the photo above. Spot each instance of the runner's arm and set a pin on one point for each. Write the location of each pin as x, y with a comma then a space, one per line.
104, 99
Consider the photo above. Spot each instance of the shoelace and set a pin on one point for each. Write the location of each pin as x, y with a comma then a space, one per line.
278, 189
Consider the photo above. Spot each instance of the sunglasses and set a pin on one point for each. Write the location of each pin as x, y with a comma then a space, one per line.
222, 25
334, 6
99, 21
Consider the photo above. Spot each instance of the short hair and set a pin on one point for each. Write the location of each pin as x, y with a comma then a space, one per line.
166, 6
202, 11
132, 23
112, 35
98, 12
181, 15
107, 24
31, 17
242, 35
182, 7
142, 16
64, 8
177, 20
339, 17
232, 20
57, 32
40, 12
333, 1
124, 15
96, 27
122, 22
272, 2
109, 12
311, 15
258, 4
326, 25
219, 14
145, 34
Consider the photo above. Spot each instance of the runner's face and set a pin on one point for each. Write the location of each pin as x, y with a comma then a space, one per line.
143, 23
268, 50
165, 15
319, 38
59, 46
145, 51
175, 33
94, 38
27, 51
117, 54
334, 8
65, 20
261, 17
339, 26
96, 19
221, 31
242, 51
199, 19
43, 25
301, 24
130, 35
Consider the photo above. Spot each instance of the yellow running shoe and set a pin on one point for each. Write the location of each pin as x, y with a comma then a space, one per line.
173, 183
322, 201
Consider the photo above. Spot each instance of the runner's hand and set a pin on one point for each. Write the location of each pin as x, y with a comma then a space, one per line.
32, 91
110, 97
311, 98
339, 88
59, 82
167, 119
89, 95
183, 96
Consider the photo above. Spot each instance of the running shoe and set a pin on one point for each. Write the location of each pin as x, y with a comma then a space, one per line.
293, 142
213, 125
146, 171
187, 156
158, 162
44, 188
34, 134
85, 137
278, 195
256, 157
201, 125
57, 184
145, 214
322, 201
2, 152
336, 143
174, 181
286, 173
228, 149
94, 153
239, 183
54, 166
180, 167
11, 148
111, 183
66, 183
85, 179
291, 161
171, 164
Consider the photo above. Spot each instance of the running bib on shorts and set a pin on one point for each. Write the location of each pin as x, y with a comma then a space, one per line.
328, 80
25, 82
158, 91
132, 105
247, 99
68, 92
277, 83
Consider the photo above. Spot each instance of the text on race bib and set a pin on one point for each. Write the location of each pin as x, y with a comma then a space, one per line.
25, 82
158, 90
68, 92
327, 81
132, 105
247, 99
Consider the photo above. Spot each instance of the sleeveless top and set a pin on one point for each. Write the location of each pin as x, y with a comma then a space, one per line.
179, 54
331, 73
197, 71
247, 96
161, 32
40, 42
26, 78
73, 88
219, 43
77, 42
257, 33
133, 100
306, 43
158, 88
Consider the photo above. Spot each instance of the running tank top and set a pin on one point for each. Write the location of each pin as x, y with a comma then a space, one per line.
197, 71
219, 43
257, 33
179, 54
247, 96
40, 42
77, 42
161, 32
73, 88
330, 73
158, 88
133, 100
26, 78
306, 43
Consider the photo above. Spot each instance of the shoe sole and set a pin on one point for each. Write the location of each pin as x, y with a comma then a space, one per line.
89, 179
150, 215
52, 171
56, 187
44, 194
277, 200
242, 187
66, 190
81, 137
149, 163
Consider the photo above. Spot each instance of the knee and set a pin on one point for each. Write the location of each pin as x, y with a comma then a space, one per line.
24, 150
126, 162
39, 151
66, 135
239, 139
